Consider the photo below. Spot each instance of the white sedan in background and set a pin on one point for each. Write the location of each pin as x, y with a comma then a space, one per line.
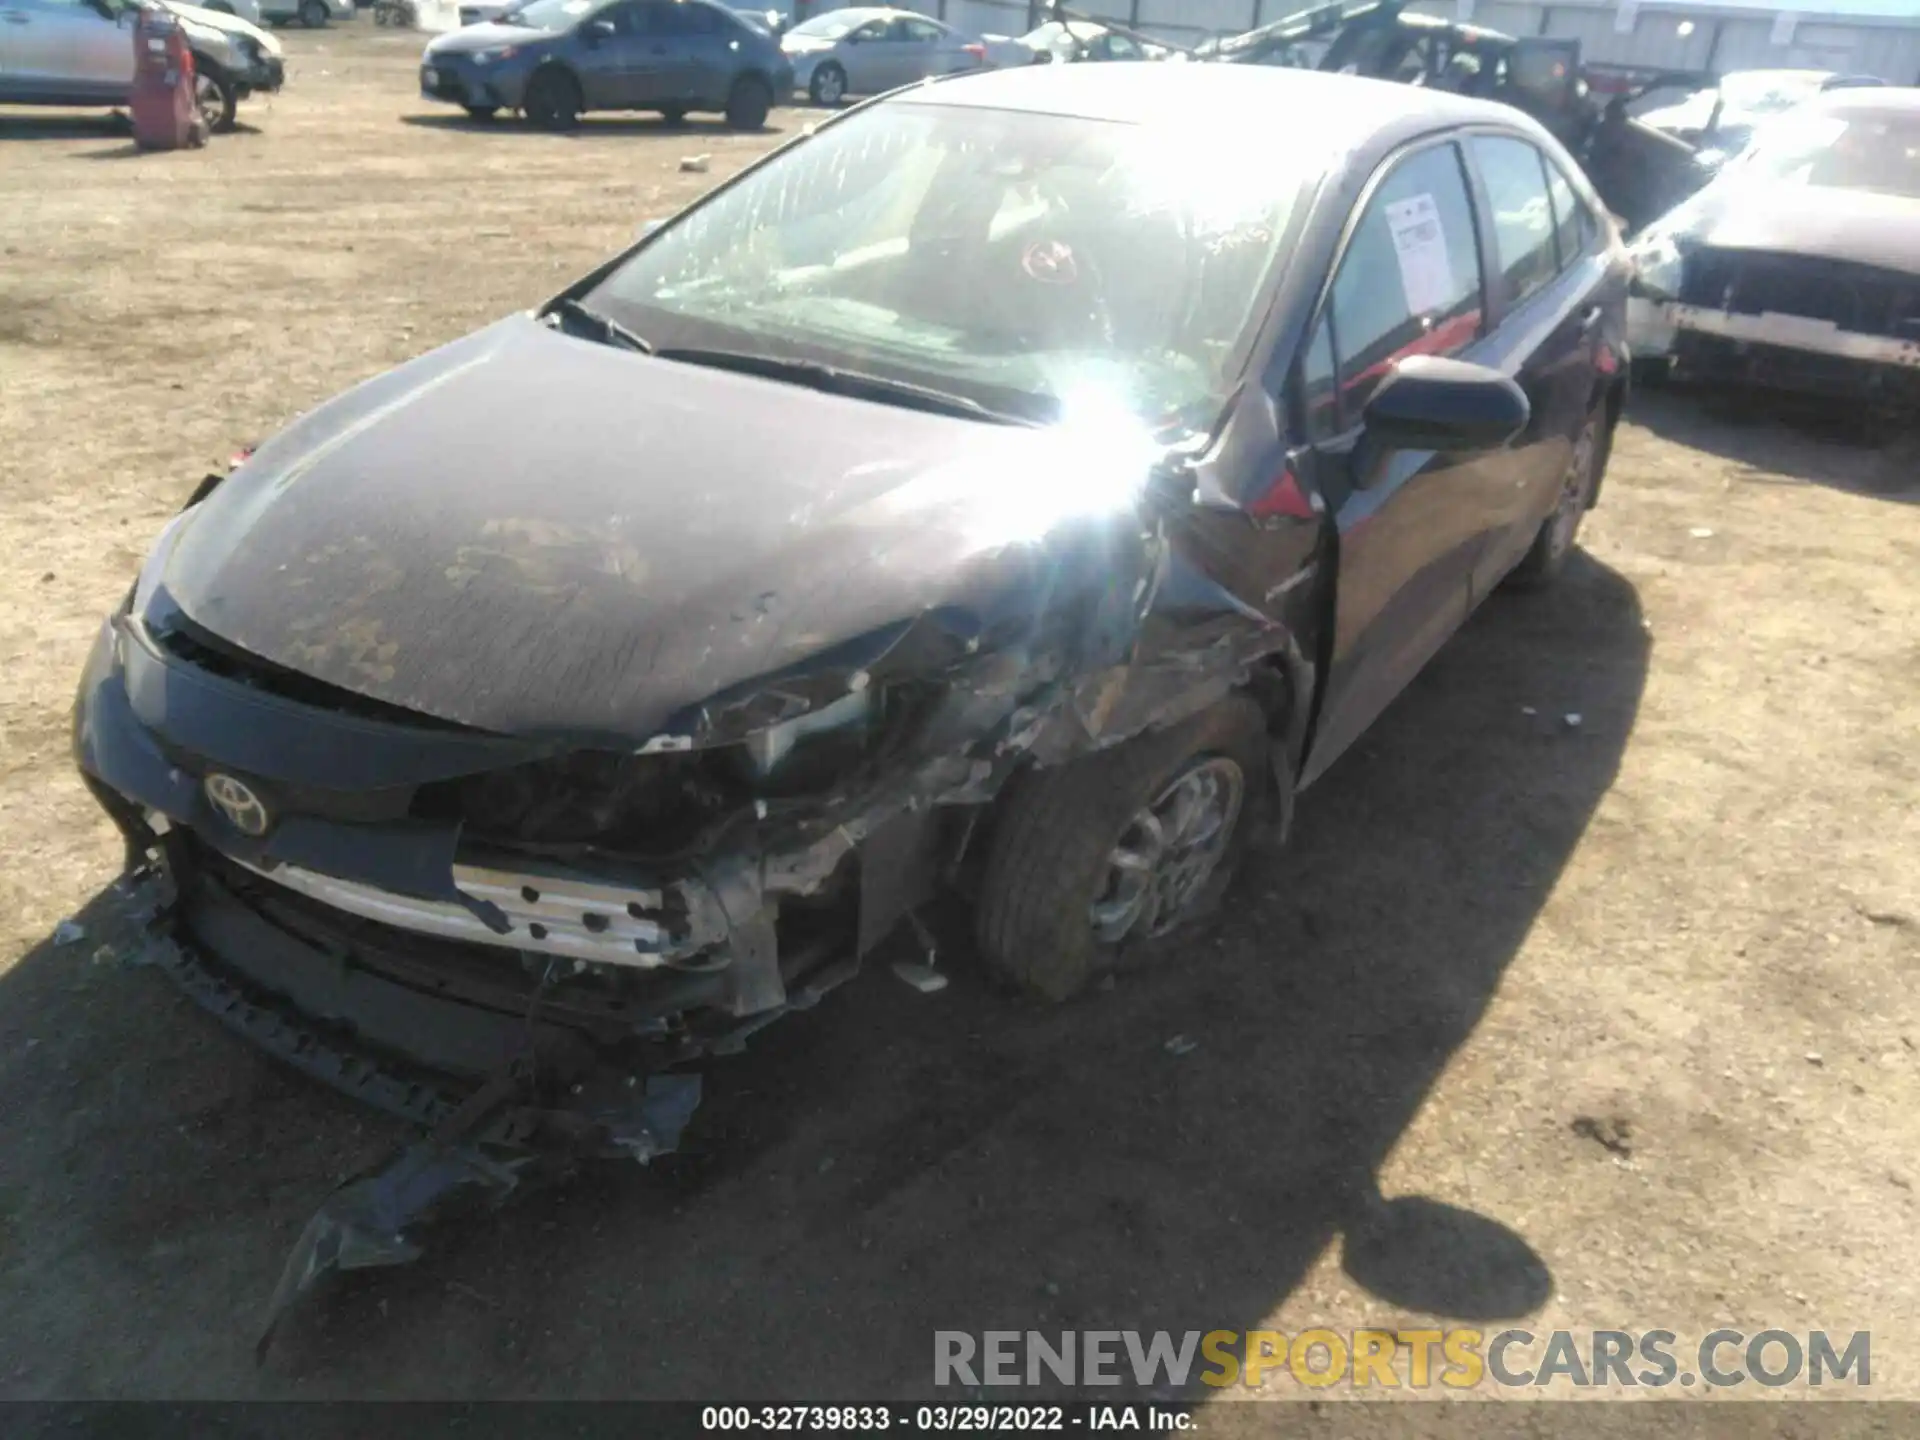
864, 51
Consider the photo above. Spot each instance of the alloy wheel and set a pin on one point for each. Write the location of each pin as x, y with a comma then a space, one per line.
1169, 851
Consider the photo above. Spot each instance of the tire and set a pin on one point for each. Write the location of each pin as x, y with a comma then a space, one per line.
553, 100
1554, 542
1652, 372
828, 86
1057, 833
674, 115
482, 112
748, 103
214, 96
313, 14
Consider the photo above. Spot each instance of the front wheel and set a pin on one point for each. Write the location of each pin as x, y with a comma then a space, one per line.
748, 103
1119, 847
214, 96
553, 100
828, 86
482, 112
313, 13
1547, 557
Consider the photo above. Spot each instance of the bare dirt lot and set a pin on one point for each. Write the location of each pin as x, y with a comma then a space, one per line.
1641, 993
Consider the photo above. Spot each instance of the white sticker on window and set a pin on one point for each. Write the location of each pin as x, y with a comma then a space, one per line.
1426, 272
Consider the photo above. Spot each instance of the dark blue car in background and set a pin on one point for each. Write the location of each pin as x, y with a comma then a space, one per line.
554, 60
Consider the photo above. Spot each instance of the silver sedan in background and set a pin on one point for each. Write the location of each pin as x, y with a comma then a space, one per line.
864, 51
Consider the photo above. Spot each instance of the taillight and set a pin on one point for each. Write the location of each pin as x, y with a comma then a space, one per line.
1283, 500
979, 52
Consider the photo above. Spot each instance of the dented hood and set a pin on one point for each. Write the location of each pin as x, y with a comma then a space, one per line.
533, 534
1828, 223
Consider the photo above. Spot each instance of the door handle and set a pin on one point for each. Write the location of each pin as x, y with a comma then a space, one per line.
1591, 320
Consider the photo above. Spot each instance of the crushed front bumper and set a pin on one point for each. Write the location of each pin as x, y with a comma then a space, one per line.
1776, 351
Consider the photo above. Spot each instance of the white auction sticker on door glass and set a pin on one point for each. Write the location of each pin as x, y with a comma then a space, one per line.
1426, 272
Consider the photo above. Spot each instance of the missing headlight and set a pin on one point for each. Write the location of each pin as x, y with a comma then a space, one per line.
768, 749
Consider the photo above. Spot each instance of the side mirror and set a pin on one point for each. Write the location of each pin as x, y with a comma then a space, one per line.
1427, 403
595, 31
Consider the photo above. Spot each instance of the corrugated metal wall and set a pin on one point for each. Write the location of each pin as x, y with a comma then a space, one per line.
1682, 37
1672, 36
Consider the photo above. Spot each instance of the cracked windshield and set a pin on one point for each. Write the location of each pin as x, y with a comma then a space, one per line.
1027, 263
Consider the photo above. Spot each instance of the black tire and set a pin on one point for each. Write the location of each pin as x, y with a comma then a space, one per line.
214, 95
313, 14
748, 103
1554, 542
1057, 831
674, 115
553, 100
482, 112
828, 86
1652, 372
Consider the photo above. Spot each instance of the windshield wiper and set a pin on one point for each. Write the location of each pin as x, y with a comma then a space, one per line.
835, 381
608, 330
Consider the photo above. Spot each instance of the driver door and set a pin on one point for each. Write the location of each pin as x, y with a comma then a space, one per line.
620, 71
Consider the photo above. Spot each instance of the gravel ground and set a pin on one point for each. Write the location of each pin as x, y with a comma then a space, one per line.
1611, 1025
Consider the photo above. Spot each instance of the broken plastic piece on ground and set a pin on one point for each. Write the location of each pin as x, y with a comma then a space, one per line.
485, 1146
924, 978
1701, 532
1181, 1045
1573, 719
696, 164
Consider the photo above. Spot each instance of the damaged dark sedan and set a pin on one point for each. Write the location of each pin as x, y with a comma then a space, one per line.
1024, 484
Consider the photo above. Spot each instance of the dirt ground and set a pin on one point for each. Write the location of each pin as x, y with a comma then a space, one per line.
1639, 996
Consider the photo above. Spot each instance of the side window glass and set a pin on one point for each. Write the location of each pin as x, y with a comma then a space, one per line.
872, 30
699, 19
1409, 283
918, 31
1319, 395
629, 19
1121, 48
1516, 180
1573, 217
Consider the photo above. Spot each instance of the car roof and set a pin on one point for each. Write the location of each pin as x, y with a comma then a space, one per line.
1338, 110
1870, 100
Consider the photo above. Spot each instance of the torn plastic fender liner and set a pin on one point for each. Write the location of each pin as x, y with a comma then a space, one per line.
480, 1151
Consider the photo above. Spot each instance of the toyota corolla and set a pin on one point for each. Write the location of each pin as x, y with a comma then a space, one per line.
1024, 484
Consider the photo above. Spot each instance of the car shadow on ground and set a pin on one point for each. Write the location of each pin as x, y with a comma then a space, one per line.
1771, 435
890, 1163
62, 125
707, 127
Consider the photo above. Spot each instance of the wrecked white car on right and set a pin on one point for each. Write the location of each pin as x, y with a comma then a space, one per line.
1798, 267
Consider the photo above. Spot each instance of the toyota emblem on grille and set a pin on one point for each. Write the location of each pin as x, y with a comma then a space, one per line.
238, 803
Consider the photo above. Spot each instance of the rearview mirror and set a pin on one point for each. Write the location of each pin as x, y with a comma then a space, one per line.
1427, 403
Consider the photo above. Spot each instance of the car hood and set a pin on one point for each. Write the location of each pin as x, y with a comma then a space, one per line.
1853, 225
487, 36
226, 25
533, 534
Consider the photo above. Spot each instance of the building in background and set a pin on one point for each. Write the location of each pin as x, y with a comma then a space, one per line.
1868, 37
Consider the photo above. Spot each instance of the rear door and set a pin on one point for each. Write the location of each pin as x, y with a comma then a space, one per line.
1410, 525
932, 50
67, 50
1546, 292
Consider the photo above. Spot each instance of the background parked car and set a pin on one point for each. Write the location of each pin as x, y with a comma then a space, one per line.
557, 59
1799, 266
1722, 119
59, 52
864, 51
311, 13
1069, 40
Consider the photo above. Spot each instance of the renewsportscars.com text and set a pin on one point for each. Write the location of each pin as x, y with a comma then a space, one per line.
1458, 1359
